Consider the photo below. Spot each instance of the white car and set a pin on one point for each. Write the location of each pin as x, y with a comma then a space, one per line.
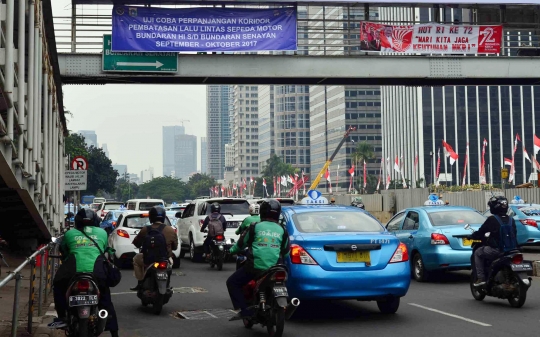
128, 226
235, 210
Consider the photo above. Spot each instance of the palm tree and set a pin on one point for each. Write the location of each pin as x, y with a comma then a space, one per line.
363, 152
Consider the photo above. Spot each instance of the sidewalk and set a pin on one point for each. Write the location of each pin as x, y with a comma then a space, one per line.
39, 326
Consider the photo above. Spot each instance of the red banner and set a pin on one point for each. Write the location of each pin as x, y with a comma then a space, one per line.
430, 38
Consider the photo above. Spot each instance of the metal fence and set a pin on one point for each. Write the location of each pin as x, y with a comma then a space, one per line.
322, 30
47, 270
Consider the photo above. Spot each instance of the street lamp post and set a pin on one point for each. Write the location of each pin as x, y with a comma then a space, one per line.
431, 163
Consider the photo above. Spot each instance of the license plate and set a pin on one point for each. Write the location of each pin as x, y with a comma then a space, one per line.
232, 224
76, 301
522, 267
281, 292
469, 242
353, 257
161, 276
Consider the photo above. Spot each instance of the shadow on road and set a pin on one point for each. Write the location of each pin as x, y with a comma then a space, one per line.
451, 277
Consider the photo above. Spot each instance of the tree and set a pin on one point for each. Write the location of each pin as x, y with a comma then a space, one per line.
362, 152
275, 167
125, 189
200, 184
167, 188
101, 175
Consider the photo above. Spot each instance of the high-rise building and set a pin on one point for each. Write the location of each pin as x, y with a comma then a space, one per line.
185, 156
204, 155
218, 131
90, 137
105, 149
147, 175
229, 164
246, 131
169, 134
334, 108
416, 120
121, 169
266, 124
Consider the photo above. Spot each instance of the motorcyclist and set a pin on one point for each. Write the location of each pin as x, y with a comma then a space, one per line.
498, 206
332, 201
357, 202
272, 243
253, 217
79, 254
156, 216
215, 214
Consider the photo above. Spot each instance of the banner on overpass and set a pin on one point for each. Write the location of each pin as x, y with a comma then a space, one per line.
430, 38
150, 29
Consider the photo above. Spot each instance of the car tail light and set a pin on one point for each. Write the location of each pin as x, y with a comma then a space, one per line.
300, 256
83, 285
201, 222
439, 239
161, 265
114, 223
529, 222
102, 214
220, 237
401, 254
123, 233
517, 259
279, 276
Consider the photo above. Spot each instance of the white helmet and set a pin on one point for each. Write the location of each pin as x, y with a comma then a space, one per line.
254, 209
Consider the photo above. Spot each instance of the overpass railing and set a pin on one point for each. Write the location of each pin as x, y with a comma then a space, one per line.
46, 275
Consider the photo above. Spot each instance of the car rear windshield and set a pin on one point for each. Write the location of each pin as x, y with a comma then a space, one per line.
137, 221
460, 217
530, 211
230, 206
112, 206
342, 221
145, 206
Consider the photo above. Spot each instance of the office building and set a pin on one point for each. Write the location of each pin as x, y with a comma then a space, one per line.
246, 131
333, 109
147, 175
218, 131
229, 164
134, 178
121, 169
266, 124
90, 137
105, 149
185, 156
204, 155
416, 120
169, 134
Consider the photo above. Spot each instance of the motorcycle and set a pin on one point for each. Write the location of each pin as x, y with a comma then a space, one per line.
83, 315
267, 297
155, 288
507, 276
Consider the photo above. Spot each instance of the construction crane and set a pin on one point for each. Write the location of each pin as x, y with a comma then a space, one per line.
329, 161
184, 120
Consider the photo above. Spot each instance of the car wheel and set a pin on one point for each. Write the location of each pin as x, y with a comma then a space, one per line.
419, 271
195, 257
389, 306
176, 262
117, 262
182, 253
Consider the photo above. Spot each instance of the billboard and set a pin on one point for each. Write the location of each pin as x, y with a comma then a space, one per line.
430, 38
151, 29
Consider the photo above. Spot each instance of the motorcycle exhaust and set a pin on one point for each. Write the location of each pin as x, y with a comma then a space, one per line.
291, 308
102, 320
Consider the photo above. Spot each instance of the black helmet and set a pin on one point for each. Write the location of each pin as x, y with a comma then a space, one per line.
157, 213
215, 207
498, 205
86, 217
270, 210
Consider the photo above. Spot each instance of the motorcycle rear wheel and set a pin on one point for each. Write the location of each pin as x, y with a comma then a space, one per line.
220, 262
478, 295
158, 305
275, 328
519, 300
248, 324
83, 328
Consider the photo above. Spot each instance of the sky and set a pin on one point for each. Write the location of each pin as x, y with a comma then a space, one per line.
129, 118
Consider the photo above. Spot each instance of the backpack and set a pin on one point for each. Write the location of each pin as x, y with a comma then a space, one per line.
507, 237
249, 244
215, 226
154, 248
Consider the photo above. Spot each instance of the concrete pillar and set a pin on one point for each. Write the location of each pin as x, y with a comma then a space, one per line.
31, 80
10, 66
45, 138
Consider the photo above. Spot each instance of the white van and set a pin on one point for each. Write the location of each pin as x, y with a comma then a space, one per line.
98, 200
143, 204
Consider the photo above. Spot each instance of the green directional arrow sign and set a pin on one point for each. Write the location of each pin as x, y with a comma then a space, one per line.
137, 62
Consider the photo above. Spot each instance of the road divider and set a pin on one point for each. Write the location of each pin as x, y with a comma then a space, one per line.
450, 315
536, 268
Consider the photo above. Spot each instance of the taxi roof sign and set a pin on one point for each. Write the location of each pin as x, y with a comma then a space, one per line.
517, 200
433, 200
314, 197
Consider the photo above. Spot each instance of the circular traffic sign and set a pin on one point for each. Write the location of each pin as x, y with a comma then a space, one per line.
79, 163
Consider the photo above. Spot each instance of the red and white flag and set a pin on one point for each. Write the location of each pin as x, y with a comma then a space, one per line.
380, 175
526, 155
483, 163
304, 182
536, 165
351, 172
536, 145
401, 171
465, 166
396, 165
365, 177
512, 174
328, 179
438, 167
337, 178
388, 169
449, 152
507, 161
264, 182
415, 169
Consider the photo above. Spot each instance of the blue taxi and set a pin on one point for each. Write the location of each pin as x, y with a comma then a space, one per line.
343, 252
429, 233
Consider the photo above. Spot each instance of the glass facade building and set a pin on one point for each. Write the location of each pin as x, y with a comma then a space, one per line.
218, 132
169, 134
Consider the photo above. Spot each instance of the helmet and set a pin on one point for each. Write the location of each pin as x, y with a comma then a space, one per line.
333, 201
498, 205
86, 217
215, 207
270, 210
254, 209
157, 213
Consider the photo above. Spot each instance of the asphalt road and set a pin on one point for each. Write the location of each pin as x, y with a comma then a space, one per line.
443, 307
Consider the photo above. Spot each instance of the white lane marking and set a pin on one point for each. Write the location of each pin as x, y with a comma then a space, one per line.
214, 316
449, 314
127, 292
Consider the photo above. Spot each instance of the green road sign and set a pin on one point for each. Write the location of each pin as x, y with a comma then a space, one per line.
137, 62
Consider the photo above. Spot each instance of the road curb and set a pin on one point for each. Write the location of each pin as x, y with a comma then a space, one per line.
536, 268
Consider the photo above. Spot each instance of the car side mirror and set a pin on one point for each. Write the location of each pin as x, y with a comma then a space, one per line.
178, 214
487, 234
54, 239
467, 227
